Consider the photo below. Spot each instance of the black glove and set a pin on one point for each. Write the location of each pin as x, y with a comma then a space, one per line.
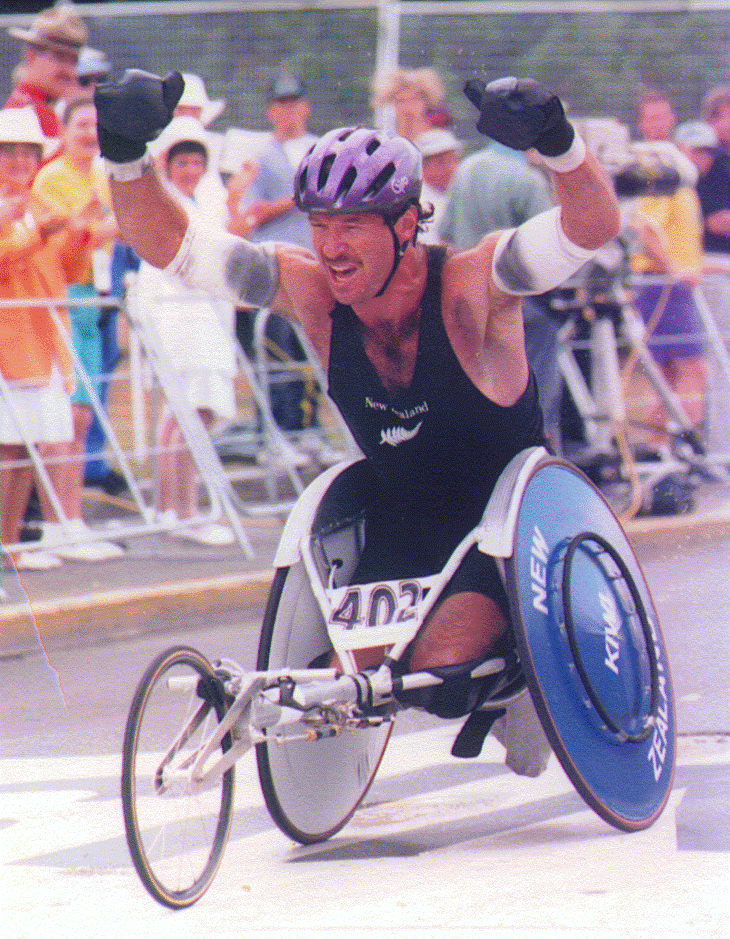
637, 180
134, 110
520, 114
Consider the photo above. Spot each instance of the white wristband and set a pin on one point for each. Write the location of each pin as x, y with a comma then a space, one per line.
128, 172
570, 160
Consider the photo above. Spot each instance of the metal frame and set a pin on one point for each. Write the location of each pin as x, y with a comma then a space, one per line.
602, 406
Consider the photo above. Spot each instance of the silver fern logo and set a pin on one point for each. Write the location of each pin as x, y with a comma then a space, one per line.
395, 435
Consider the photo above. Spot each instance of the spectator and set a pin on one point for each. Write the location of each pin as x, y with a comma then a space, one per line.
656, 119
75, 183
713, 189
496, 189
196, 336
413, 94
196, 104
655, 123
40, 252
441, 153
716, 111
48, 71
714, 186
267, 213
670, 233
93, 68
698, 140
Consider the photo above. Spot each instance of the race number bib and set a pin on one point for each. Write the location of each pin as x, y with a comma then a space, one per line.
378, 614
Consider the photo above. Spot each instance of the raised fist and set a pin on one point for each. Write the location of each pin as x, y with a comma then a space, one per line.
520, 113
134, 110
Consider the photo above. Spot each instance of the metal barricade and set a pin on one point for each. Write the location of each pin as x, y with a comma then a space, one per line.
142, 517
146, 520
260, 437
147, 356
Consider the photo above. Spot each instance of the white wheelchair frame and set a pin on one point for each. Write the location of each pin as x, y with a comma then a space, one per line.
286, 705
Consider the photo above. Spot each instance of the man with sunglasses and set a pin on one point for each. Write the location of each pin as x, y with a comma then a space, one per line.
49, 69
92, 69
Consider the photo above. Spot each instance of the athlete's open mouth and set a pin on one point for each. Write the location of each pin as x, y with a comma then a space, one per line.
341, 271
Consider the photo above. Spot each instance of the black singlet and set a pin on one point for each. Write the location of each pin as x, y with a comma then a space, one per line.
436, 448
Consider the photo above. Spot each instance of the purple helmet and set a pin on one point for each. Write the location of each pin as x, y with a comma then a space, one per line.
355, 169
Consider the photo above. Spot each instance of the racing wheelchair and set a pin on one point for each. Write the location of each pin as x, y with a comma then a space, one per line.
586, 650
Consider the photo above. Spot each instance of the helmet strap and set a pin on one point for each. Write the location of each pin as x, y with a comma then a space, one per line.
398, 250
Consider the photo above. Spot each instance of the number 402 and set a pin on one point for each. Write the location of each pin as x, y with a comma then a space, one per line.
384, 606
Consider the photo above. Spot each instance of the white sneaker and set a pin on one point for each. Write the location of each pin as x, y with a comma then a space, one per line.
207, 533
36, 561
81, 549
168, 518
91, 551
52, 532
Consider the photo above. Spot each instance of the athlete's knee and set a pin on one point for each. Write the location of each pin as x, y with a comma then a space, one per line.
465, 627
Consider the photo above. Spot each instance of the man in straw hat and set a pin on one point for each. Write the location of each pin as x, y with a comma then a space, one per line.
48, 71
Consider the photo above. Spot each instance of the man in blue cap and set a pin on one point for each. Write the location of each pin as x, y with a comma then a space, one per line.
267, 213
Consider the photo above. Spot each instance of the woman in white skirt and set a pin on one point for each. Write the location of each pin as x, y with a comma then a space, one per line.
194, 336
44, 413
39, 255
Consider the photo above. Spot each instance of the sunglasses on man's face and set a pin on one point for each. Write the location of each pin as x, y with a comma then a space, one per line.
87, 80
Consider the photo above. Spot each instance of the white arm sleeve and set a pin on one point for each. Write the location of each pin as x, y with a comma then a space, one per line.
226, 266
536, 257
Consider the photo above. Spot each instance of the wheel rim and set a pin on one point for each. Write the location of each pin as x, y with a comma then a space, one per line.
176, 835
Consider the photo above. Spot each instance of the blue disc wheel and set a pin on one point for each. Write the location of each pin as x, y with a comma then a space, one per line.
591, 647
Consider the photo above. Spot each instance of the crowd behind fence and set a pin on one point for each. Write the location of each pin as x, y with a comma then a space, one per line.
145, 376
337, 48
138, 387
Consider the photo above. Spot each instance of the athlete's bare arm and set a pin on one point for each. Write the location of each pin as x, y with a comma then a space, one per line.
149, 219
131, 112
589, 208
482, 286
543, 252
485, 324
285, 278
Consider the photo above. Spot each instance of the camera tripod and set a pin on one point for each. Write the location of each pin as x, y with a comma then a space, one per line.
602, 321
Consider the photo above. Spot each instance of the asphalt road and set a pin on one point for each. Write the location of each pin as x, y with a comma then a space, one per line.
441, 848
75, 699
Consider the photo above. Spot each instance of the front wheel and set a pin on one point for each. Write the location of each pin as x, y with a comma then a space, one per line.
176, 833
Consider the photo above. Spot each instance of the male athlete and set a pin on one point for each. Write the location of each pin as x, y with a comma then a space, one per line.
424, 348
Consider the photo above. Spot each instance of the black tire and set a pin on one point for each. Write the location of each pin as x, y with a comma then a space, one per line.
311, 790
176, 838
